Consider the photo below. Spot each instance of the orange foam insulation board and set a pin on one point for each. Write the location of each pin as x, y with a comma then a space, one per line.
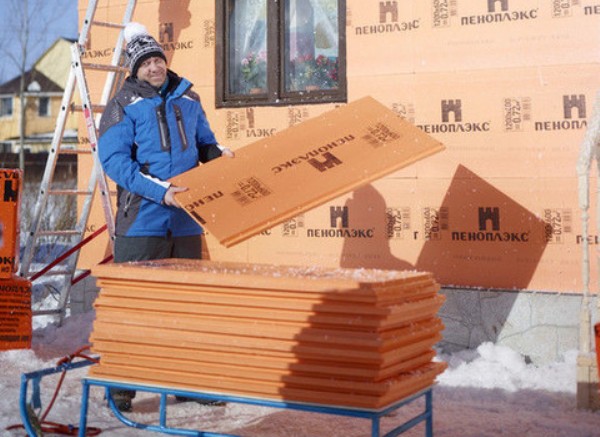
351, 337
276, 178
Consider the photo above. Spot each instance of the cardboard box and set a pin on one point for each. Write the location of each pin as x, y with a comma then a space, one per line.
275, 179
10, 199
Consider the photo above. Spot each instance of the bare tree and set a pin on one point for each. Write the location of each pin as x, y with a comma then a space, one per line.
28, 22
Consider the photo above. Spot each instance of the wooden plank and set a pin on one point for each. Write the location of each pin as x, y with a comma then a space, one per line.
306, 165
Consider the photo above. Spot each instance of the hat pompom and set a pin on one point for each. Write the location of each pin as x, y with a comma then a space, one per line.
133, 30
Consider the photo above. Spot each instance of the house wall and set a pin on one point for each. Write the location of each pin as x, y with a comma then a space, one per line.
37, 124
10, 128
508, 86
55, 64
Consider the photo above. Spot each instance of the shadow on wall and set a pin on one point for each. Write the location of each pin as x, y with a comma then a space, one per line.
374, 252
482, 238
487, 240
168, 15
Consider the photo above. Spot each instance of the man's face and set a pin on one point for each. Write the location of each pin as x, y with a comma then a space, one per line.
153, 70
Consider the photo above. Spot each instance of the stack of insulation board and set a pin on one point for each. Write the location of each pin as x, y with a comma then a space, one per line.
358, 338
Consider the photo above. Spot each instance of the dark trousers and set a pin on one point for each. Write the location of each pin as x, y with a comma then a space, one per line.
149, 248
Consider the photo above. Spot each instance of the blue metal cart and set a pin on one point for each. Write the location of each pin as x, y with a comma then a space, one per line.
33, 430
373, 415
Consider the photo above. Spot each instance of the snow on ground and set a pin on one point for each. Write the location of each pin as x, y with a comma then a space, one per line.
487, 392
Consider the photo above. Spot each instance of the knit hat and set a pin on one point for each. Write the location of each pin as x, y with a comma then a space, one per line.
140, 46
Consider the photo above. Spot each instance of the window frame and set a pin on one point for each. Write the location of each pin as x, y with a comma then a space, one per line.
48, 106
12, 106
275, 95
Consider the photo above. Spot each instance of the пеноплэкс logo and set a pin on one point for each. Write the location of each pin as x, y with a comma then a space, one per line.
320, 158
11, 190
489, 229
498, 11
574, 115
167, 34
452, 120
389, 21
339, 222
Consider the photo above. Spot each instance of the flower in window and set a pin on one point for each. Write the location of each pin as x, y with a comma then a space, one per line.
254, 71
314, 73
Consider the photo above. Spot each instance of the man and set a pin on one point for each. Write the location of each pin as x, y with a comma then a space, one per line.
153, 129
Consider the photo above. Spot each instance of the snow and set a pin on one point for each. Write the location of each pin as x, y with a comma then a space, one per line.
490, 391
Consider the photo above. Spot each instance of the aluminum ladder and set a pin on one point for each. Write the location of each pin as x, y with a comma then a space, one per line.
64, 268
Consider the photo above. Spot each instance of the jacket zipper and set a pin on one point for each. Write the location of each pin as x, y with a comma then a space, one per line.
128, 199
180, 127
165, 142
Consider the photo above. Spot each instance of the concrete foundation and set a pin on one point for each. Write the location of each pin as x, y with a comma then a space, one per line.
542, 326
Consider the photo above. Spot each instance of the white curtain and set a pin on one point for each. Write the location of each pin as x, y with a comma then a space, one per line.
248, 37
312, 45
317, 19
311, 30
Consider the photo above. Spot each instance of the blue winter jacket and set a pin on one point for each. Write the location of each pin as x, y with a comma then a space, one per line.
146, 139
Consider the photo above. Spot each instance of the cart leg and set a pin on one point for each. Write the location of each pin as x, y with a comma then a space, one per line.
375, 427
163, 410
429, 411
84, 409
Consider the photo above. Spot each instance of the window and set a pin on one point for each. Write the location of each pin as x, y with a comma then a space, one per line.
280, 52
6, 106
44, 106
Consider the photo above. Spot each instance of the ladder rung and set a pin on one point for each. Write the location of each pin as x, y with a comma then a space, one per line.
68, 192
45, 312
75, 151
95, 108
66, 233
107, 24
104, 67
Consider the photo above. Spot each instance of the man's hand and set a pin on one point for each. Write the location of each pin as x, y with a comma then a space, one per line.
226, 151
169, 199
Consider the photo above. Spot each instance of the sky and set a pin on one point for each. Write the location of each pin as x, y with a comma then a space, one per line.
487, 392
50, 19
